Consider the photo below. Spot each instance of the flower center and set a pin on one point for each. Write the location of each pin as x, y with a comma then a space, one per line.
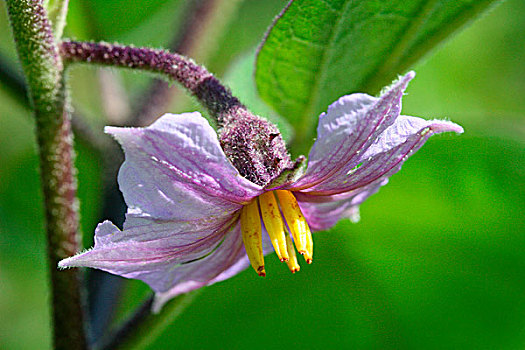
280, 214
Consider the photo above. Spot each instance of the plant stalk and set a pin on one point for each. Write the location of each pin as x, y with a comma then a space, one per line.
196, 79
44, 73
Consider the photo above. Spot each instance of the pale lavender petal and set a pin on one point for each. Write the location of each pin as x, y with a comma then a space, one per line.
228, 260
323, 212
153, 253
348, 128
384, 157
165, 257
175, 169
231, 256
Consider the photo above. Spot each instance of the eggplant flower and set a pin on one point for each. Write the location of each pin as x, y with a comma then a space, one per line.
193, 220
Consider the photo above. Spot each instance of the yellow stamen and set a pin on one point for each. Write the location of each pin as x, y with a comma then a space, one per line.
252, 236
309, 255
292, 263
297, 223
279, 214
274, 224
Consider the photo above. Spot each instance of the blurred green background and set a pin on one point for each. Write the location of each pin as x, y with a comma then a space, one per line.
437, 261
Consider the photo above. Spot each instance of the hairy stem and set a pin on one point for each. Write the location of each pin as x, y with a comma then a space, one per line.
44, 74
196, 79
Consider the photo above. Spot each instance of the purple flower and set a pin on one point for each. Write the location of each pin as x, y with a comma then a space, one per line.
192, 220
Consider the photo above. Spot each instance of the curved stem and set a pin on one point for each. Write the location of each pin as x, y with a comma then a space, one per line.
44, 74
196, 79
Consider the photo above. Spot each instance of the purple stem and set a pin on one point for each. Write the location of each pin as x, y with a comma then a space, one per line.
196, 79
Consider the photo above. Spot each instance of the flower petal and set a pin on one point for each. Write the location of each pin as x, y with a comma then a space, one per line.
168, 258
226, 261
158, 254
232, 258
384, 157
175, 169
348, 128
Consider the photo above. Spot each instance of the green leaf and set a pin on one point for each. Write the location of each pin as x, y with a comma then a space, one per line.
318, 51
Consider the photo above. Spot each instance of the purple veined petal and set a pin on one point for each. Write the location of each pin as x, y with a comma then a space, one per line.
348, 128
230, 257
323, 212
386, 156
151, 253
169, 234
176, 169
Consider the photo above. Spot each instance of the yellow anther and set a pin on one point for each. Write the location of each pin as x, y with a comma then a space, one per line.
292, 263
252, 236
274, 224
296, 222
309, 255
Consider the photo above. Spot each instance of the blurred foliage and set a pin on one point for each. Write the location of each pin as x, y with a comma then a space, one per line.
437, 260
